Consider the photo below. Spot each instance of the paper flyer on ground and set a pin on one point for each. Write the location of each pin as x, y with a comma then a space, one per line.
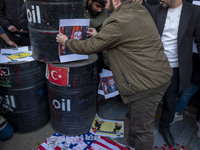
108, 128
73, 29
107, 86
15, 54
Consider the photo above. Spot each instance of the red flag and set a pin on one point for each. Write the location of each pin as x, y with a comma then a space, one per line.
58, 75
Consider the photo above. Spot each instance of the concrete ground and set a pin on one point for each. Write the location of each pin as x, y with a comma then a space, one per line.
183, 131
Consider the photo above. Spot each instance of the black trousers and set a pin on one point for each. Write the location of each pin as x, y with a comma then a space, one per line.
169, 101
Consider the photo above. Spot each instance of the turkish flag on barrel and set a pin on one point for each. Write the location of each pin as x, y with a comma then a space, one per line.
58, 75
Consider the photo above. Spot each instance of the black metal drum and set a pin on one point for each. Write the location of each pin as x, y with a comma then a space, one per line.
23, 87
43, 22
73, 106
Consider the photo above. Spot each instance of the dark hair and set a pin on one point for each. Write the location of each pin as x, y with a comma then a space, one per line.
101, 2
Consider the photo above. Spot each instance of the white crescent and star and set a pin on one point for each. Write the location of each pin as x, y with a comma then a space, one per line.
52, 75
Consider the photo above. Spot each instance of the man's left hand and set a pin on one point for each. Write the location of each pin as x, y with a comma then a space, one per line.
61, 38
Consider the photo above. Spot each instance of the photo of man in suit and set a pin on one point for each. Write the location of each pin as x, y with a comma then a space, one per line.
111, 86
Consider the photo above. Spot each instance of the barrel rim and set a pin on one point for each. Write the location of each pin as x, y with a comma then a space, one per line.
75, 64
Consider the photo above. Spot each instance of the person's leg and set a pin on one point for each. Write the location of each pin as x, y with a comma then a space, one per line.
168, 108
169, 101
185, 97
142, 122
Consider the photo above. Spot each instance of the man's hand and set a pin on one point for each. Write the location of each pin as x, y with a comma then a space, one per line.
12, 29
11, 43
23, 31
91, 32
61, 38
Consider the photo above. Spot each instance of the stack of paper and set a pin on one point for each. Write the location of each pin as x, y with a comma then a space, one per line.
15, 54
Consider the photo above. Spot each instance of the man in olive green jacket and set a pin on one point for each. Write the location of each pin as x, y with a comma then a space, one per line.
141, 69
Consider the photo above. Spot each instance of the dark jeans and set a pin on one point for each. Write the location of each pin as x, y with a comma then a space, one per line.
169, 101
142, 111
185, 97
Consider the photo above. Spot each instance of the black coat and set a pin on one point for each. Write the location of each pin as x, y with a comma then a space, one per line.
189, 28
10, 13
196, 70
23, 18
146, 5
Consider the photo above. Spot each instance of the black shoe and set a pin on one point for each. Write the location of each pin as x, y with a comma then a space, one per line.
167, 136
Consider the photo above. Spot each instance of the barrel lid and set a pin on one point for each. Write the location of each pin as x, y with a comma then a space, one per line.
91, 59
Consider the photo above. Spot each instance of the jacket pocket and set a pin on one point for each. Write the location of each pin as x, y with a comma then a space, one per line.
128, 83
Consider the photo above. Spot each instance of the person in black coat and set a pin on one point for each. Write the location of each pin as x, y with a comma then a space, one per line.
10, 21
180, 53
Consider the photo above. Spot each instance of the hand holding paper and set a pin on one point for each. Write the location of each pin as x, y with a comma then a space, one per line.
91, 32
61, 38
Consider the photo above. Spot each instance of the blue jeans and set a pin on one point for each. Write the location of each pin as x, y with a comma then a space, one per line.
185, 97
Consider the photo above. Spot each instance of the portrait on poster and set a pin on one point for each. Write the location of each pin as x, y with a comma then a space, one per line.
73, 29
107, 86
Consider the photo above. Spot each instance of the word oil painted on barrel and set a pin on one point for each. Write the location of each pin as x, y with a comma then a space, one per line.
23, 86
43, 22
72, 89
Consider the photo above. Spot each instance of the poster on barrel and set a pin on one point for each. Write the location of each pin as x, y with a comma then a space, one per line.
73, 29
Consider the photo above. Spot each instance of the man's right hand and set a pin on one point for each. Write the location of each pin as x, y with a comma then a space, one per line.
91, 32
12, 29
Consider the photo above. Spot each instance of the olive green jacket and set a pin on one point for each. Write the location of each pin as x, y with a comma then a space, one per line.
96, 23
139, 64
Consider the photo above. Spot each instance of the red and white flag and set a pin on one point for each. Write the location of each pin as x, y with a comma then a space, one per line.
58, 75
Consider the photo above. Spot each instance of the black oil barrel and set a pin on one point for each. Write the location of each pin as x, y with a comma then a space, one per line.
73, 107
24, 87
43, 23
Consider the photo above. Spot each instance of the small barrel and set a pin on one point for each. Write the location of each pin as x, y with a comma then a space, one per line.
23, 86
73, 105
43, 23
